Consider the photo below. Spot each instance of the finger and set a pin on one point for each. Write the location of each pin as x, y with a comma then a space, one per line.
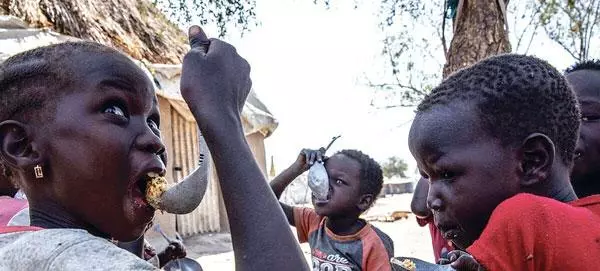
319, 156
453, 255
311, 158
198, 39
465, 262
443, 261
219, 47
304, 154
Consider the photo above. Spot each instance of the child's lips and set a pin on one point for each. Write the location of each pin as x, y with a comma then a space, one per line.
449, 232
322, 201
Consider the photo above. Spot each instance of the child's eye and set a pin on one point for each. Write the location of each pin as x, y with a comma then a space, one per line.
447, 175
339, 182
153, 125
115, 110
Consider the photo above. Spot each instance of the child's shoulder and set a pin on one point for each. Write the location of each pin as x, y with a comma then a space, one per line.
379, 232
387, 242
528, 204
64, 249
543, 230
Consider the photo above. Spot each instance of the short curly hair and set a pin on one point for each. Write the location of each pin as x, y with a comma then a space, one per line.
371, 175
515, 96
32, 81
593, 64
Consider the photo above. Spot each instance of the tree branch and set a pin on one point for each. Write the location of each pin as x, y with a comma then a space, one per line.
444, 30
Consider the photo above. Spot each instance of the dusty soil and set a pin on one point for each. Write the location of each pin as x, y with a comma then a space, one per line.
214, 251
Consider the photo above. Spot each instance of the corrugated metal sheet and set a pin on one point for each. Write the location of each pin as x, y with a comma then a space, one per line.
187, 143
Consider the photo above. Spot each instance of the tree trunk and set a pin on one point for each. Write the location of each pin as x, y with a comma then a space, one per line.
478, 33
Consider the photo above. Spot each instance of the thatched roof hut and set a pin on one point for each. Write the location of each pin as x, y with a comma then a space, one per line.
136, 27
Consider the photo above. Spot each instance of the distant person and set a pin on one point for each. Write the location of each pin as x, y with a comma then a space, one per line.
584, 78
338, 238
13, 205
418, 205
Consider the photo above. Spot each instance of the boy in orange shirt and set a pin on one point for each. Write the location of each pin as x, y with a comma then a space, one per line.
338, 238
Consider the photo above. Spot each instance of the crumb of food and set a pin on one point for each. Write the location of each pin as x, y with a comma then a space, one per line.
155, 187
406, 264
409, 265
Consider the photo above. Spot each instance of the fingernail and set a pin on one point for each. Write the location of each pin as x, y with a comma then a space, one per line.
194, 30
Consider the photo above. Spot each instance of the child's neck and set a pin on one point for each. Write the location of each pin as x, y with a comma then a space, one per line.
51, 216
345, 225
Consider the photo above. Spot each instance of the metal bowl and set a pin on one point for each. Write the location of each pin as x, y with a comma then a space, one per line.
183, 264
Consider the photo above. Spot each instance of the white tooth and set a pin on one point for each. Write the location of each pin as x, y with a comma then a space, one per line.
152, 174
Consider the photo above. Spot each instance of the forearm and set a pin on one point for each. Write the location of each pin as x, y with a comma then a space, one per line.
262, 238
279, 183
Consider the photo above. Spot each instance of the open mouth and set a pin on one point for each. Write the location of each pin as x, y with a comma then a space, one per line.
137, 191
140, 188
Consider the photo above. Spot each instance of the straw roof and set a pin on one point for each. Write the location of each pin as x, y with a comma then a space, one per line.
15, 37
136, 27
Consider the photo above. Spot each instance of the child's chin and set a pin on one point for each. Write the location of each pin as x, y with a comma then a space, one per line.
320, 211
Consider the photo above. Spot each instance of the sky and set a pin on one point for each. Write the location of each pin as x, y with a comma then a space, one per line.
307, 62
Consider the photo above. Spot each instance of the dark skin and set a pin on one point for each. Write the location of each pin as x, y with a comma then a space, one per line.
585, 175
112, 108
215, 84
470, 172
418, 204
346, 202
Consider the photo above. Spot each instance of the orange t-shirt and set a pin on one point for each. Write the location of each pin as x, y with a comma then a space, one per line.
528, 232
368, 249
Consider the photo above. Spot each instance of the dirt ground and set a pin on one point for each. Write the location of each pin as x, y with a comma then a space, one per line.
214, 251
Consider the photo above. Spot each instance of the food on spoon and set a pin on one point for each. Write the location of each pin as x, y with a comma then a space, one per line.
155, 187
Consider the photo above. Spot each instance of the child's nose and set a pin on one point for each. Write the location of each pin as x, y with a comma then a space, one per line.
150, 142
433, 201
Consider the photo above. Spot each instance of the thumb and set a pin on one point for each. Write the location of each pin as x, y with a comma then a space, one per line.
466, 263
198, 39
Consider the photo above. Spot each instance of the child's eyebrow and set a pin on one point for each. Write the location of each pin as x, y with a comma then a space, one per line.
118, 84
434, 157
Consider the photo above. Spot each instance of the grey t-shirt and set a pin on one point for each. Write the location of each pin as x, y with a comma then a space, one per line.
64, 249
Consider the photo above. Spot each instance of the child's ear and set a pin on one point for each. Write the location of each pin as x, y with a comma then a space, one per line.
16, 148
537, 157
365, 202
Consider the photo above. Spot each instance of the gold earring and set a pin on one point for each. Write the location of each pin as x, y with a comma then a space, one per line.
39, 173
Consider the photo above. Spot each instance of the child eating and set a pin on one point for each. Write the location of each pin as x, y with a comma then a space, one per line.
496, 142
338, 238
79, 127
